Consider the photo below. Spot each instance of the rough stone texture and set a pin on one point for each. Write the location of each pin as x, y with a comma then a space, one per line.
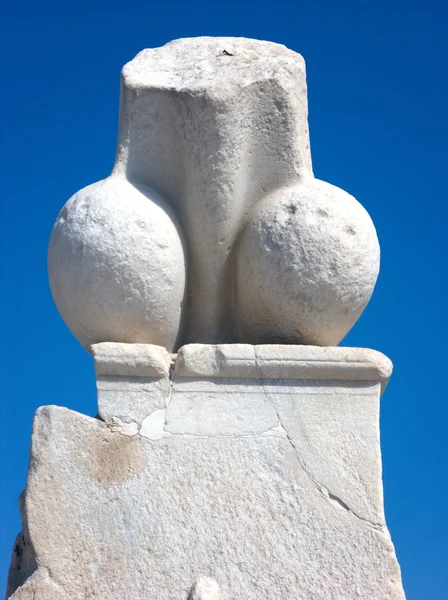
219, 407
206, 589
307, 263
275, 361
218, 507
116, 265
131, 360
218, 126
132, 382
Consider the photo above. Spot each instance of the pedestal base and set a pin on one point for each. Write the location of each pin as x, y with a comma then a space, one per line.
257, 474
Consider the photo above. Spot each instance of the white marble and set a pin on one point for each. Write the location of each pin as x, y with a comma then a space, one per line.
131, 360
260, 477
277, 361
116, 265
211, 227
206, 588
306, 267
245, 466
132, 382
216, 388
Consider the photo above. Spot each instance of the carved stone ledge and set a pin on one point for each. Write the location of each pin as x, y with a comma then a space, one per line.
276, 361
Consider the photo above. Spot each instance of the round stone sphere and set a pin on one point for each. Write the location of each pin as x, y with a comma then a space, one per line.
116, 266
307, 263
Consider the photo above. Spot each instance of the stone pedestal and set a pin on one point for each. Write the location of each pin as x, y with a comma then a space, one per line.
236, 472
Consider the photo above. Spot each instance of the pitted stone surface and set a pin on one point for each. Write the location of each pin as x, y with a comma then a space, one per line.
240, 243
206, 588
220, 360
131, 360
219, 407
276, 361
307, 264
132, 382
218, 389
117, 517
116, 265
230, 471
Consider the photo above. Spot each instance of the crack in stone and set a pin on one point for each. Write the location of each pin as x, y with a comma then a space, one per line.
323, 491
218, 436
132, 428
171, 377
330, 496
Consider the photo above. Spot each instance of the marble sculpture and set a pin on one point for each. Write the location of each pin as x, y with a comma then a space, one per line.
236, 453
211, 227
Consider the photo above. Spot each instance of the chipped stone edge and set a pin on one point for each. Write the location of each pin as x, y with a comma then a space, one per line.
131, 360
233, 361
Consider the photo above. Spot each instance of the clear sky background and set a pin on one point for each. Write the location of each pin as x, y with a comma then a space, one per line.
377, 77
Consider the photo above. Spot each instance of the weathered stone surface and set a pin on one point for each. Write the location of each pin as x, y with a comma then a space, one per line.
277, 361
307, 264
40, 587
130, 399
116, 265
131, 360
219, 407
132, 382
216, 388
202, 502
206, 589
219, 360
218, 126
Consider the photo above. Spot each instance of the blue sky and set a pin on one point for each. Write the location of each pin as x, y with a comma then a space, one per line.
378, 100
